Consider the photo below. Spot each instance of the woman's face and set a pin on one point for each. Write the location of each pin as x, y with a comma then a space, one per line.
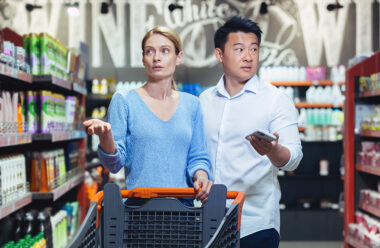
159, 57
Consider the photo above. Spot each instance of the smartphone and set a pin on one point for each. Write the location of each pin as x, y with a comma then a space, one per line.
261, 134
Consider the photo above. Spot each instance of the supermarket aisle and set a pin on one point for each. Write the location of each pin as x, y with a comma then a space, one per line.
315, 244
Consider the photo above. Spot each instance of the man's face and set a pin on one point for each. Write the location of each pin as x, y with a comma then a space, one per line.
240, 57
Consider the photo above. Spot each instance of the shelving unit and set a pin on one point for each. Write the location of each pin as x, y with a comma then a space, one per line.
14, 80
61, 190
368, 133
59, 136
370, 209
357, 176
15, 205
15, 139
368, 169
305, 83
307, 175
316, 105
9, 73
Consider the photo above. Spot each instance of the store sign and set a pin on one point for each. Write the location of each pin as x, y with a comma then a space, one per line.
322, 31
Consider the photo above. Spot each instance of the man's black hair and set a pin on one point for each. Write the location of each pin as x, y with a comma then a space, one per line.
235, 24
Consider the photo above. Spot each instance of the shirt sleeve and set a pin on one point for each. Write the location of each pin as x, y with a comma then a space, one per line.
198, 158
117, 117
285, 123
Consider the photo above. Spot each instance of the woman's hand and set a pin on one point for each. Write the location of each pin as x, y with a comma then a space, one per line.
103, 130
98, 127
201, 182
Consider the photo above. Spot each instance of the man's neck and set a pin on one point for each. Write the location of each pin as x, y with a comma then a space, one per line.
233, 87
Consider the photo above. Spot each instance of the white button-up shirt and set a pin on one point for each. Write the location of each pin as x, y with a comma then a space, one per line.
235, 162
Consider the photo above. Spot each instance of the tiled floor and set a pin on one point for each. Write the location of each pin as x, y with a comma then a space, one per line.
316, 244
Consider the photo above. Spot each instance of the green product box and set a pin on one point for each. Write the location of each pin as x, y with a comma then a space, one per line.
35, 54
48, 50
26, 42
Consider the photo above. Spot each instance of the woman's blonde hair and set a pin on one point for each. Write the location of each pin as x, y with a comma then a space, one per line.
169, 34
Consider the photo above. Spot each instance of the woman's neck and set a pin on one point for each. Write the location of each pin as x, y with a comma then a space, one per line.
159, 89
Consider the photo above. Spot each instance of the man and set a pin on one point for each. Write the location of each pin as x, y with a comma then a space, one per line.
237, 106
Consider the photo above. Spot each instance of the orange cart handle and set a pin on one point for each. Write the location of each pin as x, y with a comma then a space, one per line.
164, 192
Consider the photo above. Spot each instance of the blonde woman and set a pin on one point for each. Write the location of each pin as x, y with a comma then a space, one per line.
156, 132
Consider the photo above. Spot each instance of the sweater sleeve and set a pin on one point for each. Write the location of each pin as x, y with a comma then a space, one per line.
117, 117
198, 158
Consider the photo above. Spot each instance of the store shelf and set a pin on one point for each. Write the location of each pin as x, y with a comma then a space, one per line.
370, 93
7, 72
309, 177
370, 209
61, 190
80, 89
304, 83
369, 133
52, 80
92, 165
98, 97
15, 139
354, 243
368, 169
317, 105
58, 136
15, 205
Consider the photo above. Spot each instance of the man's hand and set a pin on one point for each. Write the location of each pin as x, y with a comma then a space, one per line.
201, 182
263, 147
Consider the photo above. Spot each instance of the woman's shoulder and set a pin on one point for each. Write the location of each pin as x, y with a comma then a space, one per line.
124, 94
189, 98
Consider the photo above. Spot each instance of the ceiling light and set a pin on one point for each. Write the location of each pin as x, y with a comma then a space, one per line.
72, 9
29, 7
105, 5
174, 6
264, 7
335, 6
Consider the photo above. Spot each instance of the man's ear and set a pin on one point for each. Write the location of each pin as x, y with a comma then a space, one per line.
219, 54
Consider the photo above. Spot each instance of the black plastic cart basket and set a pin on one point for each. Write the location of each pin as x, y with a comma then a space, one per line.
162, 221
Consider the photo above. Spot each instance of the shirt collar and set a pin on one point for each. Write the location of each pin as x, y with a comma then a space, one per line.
252, 85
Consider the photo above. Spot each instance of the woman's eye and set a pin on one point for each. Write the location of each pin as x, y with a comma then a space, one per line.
148, 51
165, 50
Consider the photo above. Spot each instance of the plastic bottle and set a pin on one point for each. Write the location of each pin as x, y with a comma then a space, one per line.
103, 89
95, 86
302, 118
29, 224
19, 227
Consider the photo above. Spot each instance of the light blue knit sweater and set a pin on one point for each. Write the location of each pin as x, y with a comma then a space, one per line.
156, 153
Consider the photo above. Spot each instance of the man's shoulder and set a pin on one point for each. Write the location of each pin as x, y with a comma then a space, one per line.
207, 93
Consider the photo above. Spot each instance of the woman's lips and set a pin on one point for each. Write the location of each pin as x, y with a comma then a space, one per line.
157, 68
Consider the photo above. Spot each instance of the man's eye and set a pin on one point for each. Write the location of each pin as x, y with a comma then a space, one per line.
239, 49
165, 50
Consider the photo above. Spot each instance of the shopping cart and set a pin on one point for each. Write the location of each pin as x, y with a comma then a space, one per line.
162, 221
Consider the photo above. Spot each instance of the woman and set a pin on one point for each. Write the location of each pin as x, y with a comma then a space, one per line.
156, 132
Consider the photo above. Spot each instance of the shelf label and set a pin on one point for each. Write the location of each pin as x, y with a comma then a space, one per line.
7, 210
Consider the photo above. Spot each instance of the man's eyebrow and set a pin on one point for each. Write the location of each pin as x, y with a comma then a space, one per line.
239, 43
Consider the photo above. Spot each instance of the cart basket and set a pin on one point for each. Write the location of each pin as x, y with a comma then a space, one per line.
162, 221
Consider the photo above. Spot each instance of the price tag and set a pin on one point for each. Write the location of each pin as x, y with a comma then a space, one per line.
14, 73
